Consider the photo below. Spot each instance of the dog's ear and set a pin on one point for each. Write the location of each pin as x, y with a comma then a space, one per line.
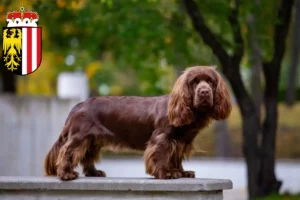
222, 100
179, 106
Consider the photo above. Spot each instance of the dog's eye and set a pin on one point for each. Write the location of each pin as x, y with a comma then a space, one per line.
208, 80
211, 83
194, 82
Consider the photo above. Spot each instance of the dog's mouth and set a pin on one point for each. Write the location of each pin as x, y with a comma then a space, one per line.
204, 104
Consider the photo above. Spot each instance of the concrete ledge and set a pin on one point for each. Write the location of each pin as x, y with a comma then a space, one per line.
46, 188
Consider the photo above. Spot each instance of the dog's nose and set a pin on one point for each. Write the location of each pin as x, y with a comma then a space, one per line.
204, 92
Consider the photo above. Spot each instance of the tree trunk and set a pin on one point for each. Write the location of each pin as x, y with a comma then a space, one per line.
291, 88
268, 181
251, 129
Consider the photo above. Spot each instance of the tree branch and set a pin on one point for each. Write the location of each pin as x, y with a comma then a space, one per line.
292, 80
281, 30
271, 69
236, 30
208, 37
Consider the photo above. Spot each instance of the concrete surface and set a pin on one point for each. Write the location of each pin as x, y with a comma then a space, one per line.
99, 195
44, 188
119, 184
234, 169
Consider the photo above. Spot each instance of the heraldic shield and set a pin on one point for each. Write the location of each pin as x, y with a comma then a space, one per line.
22, 42
22, 49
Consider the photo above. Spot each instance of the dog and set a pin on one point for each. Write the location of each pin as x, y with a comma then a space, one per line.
164, 127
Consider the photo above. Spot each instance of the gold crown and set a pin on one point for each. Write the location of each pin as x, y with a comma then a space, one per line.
22, 17
22, 14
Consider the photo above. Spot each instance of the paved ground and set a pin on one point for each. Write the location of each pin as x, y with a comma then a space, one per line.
233, 169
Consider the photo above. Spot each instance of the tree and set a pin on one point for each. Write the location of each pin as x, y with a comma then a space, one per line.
260, 155
292, 80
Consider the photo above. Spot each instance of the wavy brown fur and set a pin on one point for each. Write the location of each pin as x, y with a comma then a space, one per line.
164, 127
50, 160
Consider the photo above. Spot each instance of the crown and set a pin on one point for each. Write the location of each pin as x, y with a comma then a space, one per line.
22, 18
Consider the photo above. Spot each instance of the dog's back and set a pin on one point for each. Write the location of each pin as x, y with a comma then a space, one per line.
131, 120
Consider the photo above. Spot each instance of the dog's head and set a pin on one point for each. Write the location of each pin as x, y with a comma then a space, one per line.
198, 89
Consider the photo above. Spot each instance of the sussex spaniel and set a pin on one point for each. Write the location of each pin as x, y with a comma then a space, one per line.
163, 126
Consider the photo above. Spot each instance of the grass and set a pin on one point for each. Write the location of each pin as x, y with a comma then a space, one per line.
281, 197
287, 142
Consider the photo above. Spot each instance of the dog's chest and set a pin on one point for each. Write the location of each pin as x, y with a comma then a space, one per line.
184, 134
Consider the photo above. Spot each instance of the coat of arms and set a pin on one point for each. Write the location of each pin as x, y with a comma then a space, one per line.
22, 42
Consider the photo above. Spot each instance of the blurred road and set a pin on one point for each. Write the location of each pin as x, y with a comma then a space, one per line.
233, 169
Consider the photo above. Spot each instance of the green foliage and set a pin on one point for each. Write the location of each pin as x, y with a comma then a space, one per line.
137, 34
134, 38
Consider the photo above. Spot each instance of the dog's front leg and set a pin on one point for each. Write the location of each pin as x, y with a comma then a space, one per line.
186, 174
177, 159
159, 157
185, 151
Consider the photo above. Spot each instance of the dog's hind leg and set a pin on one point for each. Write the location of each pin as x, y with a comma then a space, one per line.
91, 156
70, 155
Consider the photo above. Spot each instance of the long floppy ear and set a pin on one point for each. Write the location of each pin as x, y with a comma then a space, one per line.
179, 106
222, 100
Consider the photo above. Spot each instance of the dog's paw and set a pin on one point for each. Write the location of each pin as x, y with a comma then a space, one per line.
95, 173
177, 173
188, 174
67, 176
168, 174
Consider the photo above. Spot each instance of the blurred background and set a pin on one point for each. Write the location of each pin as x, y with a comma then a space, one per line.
131, 47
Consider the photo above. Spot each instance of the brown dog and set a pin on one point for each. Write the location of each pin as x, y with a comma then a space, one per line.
163, 126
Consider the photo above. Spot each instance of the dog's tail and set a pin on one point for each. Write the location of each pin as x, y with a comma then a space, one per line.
50, 160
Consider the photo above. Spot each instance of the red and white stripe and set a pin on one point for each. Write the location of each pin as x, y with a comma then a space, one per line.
31, 49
